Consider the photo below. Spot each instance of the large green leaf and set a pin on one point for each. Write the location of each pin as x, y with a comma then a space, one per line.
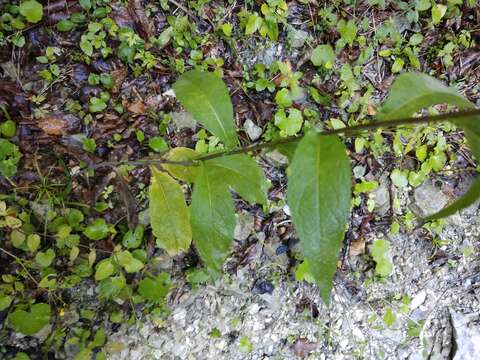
414, 91
205, 96
318, 194
213, 217
30, 322
169, 215
243, 174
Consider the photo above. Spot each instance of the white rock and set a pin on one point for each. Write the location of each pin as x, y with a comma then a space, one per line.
418, 300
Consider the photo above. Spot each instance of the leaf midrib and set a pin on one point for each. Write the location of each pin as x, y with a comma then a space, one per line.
207, 101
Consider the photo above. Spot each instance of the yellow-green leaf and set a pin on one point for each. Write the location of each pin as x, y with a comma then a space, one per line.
182, 172
319, 195
169, 215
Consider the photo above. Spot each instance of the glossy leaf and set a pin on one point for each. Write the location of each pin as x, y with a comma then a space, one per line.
318, 194
414, 91
182, 172
243, 174
213, 217
169, 215
206, 97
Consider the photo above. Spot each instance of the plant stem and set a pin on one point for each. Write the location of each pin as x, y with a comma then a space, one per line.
20, 262
348, 131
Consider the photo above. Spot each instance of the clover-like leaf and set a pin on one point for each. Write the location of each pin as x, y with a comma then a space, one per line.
32, 10
30, 322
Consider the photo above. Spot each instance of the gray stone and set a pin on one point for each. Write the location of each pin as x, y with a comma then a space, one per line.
382, 198
297, 38
276, 158
268, 55
244, 226
467, 336
183, 120
253, 131
429, 199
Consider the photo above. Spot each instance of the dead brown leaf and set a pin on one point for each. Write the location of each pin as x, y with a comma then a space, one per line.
58, 124
137, 107
357, 246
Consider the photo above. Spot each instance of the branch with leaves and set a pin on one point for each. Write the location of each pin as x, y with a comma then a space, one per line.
319, 176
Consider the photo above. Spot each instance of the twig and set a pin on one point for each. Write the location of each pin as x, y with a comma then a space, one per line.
347, 131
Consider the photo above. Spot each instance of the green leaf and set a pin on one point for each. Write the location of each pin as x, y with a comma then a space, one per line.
45, 259
65, 25
213, 217
32, 10
169, 215
96, 105
158, 144
243, 174
289, 125
323, 55
397, 65
105, 269
97, 230
85, 4
5, 301
33, 242
129, 262
8, 128
185, 173
347, 30
319, 195
206, 97
438, 11
86, 46
283, 98
380, 254
133, 238
389, 317
414, 91
155, 289
245, 345
31, 322
21, 356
